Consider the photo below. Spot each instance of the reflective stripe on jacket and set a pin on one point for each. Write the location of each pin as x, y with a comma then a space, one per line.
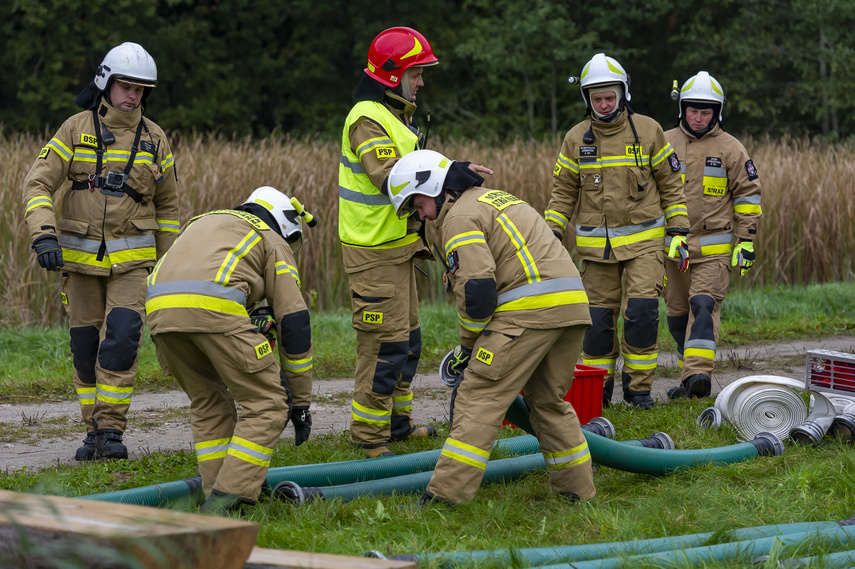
102, 233
628, 193
722, 190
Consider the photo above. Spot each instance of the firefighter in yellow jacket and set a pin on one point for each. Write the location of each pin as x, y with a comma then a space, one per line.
522, 312
722, 189
619, 176
379, 249
224, 263
118, 217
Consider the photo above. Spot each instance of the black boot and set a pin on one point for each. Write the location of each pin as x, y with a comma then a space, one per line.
640, 400
109, 444
608, 390
88, 450
697, 385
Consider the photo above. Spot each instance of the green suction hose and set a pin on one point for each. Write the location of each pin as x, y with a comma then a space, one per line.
538, 556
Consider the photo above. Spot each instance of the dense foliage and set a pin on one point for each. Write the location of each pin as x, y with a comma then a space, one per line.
255, 67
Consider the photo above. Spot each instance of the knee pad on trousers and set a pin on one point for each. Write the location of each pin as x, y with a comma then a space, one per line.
641, 322
84, 350
413, 355
392, 359
599, 338
677, 326
119, 350
702, 307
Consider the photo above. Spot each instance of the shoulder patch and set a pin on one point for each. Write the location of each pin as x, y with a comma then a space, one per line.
387, 152
587, 151
147, 146
557, 169
674, 162
713, 162
499, 199
751, 170
44, 153
453, 262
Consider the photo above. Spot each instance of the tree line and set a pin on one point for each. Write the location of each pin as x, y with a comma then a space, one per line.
256, 67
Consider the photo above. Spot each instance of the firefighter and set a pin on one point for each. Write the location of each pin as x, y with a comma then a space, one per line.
522, 312
722, 190
379, 249
618, 173
119, 216
224, 263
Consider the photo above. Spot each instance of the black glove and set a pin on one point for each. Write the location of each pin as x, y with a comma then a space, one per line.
453, 364
301, 418
264, 320
48, 252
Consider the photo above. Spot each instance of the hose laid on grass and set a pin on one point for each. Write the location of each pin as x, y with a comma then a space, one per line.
538, 556
643, 460
323, 474
724, 552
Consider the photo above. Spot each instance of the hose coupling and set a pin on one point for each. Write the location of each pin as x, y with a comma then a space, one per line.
808, 433
768, 444
710, 418
292, 492
600, 426
843, 427
658, 440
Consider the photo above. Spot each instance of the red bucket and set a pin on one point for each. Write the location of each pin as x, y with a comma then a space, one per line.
586, 393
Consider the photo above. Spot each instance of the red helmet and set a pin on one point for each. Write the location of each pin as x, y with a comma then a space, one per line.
394, 51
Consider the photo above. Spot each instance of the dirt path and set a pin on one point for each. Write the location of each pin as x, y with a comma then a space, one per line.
35, 436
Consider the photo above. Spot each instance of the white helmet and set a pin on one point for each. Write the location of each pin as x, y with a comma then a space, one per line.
421, 172
131, 63
703, 87
282, 210
601, 71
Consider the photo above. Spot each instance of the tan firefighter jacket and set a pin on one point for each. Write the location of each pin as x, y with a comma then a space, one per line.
375, 135
222, 265
101, 233
624, 194
722, 191
504, 266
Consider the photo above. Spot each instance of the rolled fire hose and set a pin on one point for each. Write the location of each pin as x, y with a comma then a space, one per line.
769, 403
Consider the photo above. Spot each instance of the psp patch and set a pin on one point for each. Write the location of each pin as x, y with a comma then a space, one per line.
383, 153
751, 170
587, 151
674, 162
453, 262
713, 162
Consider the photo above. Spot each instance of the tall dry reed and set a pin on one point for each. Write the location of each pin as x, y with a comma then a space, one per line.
806, 234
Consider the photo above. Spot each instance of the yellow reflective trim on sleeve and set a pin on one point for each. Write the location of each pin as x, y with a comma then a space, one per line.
559, 218
466, 238
661, 155
748, 209
167, 162
546, 301
472, 325
168, 225
64, 152
674, 210
372, 143
39, 201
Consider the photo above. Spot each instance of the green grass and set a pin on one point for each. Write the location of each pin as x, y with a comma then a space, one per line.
36, 365
814, 483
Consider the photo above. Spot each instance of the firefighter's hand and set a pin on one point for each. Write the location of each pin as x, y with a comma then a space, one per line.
743, 256
265, 322
679, 248
456, 361
301, 418
49, 252
480, 170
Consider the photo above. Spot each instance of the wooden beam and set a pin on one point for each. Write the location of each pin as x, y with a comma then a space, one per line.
34, 530
262, 558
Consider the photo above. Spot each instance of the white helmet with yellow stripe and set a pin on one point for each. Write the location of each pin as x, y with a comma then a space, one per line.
702, 88
421, 172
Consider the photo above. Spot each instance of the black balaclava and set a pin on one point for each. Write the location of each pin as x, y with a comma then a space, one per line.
716, 108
